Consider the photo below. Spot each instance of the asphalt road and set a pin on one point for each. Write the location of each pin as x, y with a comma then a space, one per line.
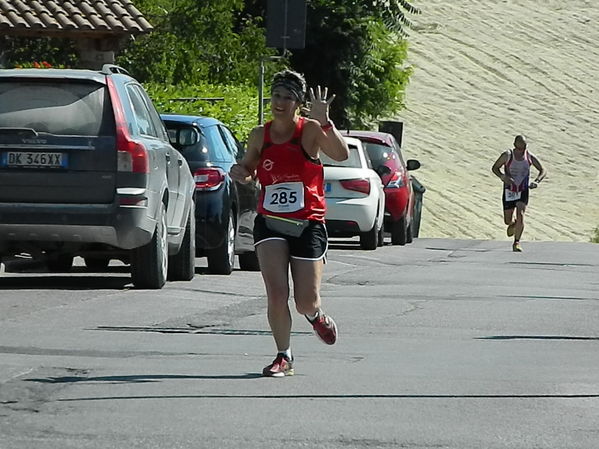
443, 344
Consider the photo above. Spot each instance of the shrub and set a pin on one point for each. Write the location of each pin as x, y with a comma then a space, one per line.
235, 106
595, 238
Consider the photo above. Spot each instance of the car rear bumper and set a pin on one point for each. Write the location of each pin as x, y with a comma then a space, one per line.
124, 227
342, 228
361, 211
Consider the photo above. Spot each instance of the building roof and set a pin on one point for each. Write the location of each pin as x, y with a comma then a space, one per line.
62, 18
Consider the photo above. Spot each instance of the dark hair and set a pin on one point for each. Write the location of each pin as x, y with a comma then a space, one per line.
520, 138
292, 81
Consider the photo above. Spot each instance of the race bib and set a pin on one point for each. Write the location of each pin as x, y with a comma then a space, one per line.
284, 197
512, 196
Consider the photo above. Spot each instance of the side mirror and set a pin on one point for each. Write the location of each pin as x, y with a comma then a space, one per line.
413, 164
383, 170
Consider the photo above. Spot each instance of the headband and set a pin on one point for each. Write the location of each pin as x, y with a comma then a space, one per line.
293, 86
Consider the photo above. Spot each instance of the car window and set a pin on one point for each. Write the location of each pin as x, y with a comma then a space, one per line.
398, 149
189, 141
217, 145
154, 116
383, 155
232, 143
352, 161
62, 107
141, 112
205, 145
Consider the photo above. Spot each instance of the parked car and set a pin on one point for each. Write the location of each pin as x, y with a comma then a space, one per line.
86, 169
354, 196
388, 161
225, 209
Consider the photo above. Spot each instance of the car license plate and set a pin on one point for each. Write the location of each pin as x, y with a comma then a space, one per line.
327, 187
35, 159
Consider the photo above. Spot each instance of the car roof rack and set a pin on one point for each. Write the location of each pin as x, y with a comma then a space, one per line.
109, 69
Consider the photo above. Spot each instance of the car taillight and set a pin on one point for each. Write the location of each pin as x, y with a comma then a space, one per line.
359, 185
132, 155
208, 178
396, 180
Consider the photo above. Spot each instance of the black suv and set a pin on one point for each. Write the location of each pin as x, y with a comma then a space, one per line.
225, 210
86, 169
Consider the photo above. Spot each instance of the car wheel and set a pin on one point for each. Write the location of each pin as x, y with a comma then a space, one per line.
409, 236
249, 262
222, 259
97, 263
181, 266
381, 237
59, 262
369, 240
149, 263
398, 232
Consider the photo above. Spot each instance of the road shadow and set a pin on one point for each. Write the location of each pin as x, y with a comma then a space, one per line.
141, 378
64, 282
538, 337
337, 396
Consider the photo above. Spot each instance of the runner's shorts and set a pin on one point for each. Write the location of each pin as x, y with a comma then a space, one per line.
507, 205
311, 245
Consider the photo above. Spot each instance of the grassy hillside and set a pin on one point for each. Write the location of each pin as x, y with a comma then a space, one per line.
484, 72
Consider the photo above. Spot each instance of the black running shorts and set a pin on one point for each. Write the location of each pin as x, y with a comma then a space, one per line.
507, 205
311, 245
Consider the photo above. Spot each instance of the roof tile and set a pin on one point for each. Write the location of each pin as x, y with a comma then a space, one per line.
86, 16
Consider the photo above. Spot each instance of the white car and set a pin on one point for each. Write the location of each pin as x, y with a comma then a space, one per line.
355, 197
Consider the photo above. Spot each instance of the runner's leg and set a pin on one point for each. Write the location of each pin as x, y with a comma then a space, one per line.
520, 211
273, 256
307, 275
508, 216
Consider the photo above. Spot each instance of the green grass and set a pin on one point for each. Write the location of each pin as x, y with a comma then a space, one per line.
595, 238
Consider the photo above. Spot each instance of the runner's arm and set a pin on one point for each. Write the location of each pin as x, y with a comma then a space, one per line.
542, 172
244, 171
327, 139
496, 168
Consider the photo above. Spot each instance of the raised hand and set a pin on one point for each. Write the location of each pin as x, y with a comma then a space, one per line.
318, 108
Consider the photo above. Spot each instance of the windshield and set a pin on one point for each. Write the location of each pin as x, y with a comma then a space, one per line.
61, 107
352, 161
382, 155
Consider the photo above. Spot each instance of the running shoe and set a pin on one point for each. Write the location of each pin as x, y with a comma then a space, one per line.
516, 247
325, 328
511, 228
280, 367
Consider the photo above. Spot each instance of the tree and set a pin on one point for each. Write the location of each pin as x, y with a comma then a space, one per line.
357, 50
392, 14
195, 41
25, 51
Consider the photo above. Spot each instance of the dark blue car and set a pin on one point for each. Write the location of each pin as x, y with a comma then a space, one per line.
225, 209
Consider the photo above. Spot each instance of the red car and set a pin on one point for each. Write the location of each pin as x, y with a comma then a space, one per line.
387, 161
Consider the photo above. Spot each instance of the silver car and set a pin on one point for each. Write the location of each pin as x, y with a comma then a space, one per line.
86, 169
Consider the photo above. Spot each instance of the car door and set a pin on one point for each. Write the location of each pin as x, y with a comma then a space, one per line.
247, 194
166, 164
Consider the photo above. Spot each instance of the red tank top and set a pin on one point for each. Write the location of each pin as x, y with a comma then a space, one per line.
292, 183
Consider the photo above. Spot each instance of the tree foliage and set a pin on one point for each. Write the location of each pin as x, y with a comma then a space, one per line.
360, 58
24, 51
195, 41
234, 105
357, 48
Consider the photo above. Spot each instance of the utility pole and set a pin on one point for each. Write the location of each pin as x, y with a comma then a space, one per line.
285, 29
